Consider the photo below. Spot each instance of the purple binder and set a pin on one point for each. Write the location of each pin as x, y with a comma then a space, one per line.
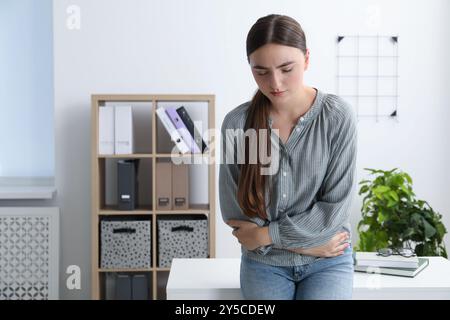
182, 129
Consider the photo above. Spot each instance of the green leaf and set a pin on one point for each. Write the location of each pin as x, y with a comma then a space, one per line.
408, 177
397, 180
381, 217
408, 233
381, 189
394, 195
416, 218
368, 241
392, 170
429, 229
391, 203
364, 189
441, 230
406, 190
372, 170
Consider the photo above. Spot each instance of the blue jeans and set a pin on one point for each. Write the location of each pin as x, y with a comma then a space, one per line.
324, 279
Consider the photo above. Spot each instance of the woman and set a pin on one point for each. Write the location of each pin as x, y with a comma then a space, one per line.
292, 224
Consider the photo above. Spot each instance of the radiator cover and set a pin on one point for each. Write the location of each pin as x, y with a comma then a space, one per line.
29, 253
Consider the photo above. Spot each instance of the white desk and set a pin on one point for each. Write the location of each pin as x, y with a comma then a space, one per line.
218, 279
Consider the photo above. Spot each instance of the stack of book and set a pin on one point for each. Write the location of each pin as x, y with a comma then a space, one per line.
181, 129
396, 265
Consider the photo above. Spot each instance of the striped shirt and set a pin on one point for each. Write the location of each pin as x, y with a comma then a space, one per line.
313, 187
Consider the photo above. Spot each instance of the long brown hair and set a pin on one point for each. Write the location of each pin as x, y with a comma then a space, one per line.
277, 29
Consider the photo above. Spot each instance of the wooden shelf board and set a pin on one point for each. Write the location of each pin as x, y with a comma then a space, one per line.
193, 209
179, 155
122, 156
182, 212
113, 210
126, 270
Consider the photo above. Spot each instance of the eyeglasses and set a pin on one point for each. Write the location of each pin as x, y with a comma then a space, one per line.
404, 252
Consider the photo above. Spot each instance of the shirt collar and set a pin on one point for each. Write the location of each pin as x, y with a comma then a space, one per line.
311, 114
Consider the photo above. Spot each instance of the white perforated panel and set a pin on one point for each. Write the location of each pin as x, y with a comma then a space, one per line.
28, 253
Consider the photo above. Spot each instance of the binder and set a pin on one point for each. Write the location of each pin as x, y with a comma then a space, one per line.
123, 130
191, 128
140, 287
172, 131
123, 287
181, 127
163, 185
110, 286
106, 130
180, 186
127, 184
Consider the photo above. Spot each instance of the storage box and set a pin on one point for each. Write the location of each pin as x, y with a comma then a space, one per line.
125, 244
182, 237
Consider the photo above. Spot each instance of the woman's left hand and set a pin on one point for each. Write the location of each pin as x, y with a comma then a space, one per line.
249, 234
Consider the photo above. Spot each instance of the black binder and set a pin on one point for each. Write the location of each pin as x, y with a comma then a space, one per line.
123, 287
191, 128
140, 290
127, 184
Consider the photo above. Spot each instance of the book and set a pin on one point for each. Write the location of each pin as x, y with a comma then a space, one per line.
182, 129
191, 128
403, 272
172, 131
372, 259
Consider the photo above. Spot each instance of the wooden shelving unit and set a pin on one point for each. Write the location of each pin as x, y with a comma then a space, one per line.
101, 209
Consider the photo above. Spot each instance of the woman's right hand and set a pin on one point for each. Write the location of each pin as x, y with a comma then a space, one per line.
333, 248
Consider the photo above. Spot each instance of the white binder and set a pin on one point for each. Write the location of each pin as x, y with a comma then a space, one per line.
123, 130
106, 130
173, 132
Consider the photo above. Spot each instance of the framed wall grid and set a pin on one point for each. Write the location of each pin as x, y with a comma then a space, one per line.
367, 74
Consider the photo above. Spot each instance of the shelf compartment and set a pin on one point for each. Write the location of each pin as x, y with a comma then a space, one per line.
124, 245
108, 187
181, 236
161, 282
142, 124
197, 110
108, 284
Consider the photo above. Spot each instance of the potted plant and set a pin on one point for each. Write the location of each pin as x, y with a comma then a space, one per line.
393, 217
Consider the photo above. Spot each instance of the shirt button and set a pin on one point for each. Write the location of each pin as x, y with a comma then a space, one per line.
302, 119
284, 173
284, 195
298, 129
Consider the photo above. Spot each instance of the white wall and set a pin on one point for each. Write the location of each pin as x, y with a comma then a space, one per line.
26, 89
172, 46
